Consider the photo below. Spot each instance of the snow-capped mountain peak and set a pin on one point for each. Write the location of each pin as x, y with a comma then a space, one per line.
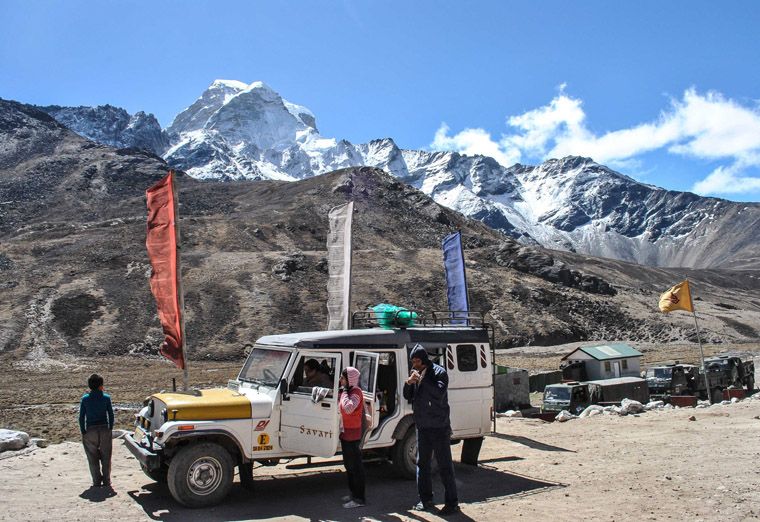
236, 130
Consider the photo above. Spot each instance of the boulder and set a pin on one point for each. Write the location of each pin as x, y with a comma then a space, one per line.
12, 440
630, 406
594, 409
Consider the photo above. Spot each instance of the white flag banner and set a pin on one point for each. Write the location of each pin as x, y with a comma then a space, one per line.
339, 267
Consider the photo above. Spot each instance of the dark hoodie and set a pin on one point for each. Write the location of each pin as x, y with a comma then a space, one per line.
429, 397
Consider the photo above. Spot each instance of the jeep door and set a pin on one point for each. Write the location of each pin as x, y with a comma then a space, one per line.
366, 363
309, 417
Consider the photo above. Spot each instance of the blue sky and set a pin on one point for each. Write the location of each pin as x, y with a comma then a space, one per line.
666, 92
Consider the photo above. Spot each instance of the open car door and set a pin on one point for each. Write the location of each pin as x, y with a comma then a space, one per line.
309, 421
366, 363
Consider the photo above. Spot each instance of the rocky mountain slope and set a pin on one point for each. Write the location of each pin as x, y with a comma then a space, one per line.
113, 126
74, 272
237, 131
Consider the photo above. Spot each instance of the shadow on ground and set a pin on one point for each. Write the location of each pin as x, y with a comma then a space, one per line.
97, 493
316, 495
525, 441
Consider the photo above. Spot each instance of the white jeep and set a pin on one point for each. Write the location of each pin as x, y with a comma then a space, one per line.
193, 440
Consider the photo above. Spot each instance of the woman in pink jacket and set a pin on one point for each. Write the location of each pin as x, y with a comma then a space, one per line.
351, 401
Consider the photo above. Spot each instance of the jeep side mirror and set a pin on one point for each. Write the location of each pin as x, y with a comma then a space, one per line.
284, 389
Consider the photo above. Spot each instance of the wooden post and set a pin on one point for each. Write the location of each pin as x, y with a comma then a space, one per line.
180, 292
699, 339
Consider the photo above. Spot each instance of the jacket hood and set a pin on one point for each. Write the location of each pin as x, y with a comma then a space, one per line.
353, 375
419, 352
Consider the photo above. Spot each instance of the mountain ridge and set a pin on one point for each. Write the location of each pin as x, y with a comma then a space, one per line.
74, 271
248, 131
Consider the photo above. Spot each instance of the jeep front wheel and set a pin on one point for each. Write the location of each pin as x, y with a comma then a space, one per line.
405, 454
200, 475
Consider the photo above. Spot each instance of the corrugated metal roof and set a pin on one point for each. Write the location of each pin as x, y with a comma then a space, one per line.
602, 352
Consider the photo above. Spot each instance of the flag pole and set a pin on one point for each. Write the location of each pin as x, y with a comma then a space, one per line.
699, 340
180, 292
350, 259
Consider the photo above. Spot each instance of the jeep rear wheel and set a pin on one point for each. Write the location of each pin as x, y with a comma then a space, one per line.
471, 450
404, 454
200, 475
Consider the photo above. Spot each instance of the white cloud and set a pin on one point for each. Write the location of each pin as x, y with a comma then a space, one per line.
727, 180
472, 142
700, 126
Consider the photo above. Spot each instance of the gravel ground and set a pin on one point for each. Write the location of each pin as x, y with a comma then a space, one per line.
659, 465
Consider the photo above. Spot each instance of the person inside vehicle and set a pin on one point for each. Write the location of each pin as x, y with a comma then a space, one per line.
315, 375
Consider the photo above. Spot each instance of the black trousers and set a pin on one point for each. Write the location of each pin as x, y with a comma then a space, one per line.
435, 441
352, 460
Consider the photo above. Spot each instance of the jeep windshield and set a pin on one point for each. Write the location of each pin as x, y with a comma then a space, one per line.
560, 393
264, 366
659, 373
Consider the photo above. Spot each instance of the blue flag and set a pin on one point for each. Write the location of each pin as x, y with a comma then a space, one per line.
456, 281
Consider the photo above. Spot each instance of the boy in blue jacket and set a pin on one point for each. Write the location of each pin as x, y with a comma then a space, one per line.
96, 425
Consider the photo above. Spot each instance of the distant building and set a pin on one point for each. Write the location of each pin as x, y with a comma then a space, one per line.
607, 361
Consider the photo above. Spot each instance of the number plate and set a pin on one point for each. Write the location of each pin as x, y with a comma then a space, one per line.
139, 434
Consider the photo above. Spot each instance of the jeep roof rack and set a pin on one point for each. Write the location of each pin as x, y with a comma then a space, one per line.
432, 319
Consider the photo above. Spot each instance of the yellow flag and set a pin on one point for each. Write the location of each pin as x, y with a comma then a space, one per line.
677, 298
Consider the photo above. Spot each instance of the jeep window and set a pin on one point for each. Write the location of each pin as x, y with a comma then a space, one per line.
560, 393
264, 366
435, 355
467, 358
366, 371
311, 373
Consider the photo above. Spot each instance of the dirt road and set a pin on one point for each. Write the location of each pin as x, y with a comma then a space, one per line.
656, 466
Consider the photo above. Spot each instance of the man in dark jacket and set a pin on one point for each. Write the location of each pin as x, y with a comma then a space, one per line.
427, 389
96, 425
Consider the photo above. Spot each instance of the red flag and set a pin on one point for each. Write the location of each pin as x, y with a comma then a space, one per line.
161, 243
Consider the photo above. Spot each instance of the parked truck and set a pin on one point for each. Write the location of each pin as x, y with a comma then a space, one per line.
723, 372
667, 380
726, 371
576, 396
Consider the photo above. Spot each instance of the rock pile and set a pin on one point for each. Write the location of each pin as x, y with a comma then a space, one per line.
631, 407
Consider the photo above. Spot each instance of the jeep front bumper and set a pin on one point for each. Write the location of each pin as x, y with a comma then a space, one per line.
146, 457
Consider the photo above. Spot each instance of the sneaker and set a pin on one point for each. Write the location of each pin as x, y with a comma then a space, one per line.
449, 509
424, 506
353, 503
